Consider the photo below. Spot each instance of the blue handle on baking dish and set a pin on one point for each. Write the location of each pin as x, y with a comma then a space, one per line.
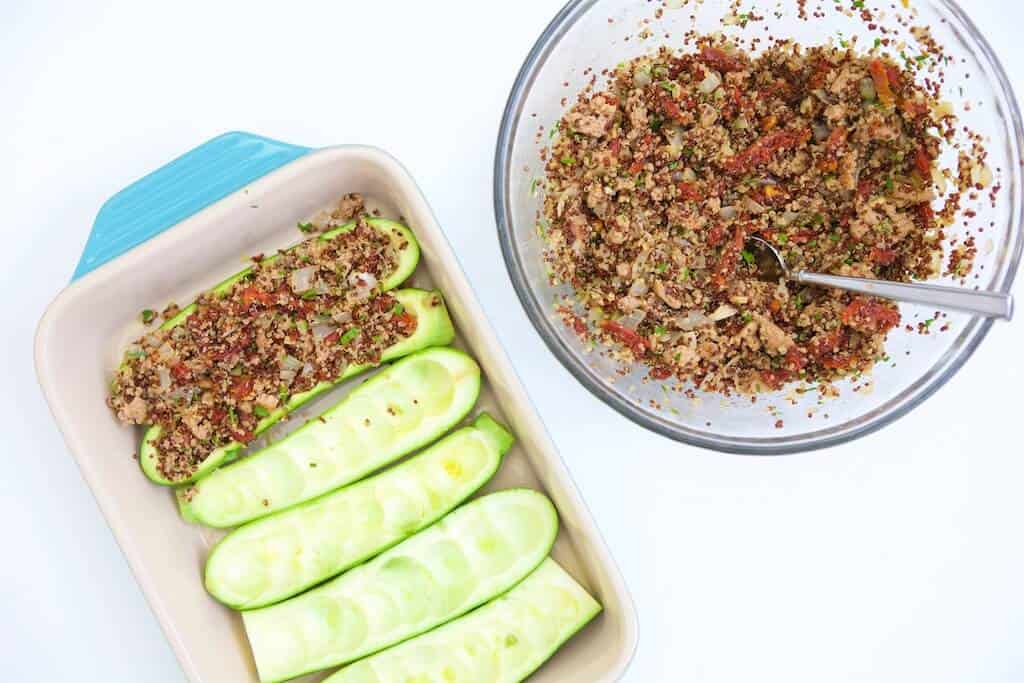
172, 193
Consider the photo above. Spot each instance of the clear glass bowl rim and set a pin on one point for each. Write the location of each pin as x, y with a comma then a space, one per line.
914, 396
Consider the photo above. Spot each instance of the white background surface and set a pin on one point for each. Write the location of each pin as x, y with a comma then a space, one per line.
895, 558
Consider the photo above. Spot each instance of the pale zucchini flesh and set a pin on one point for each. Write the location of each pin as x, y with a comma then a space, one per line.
404, 407
471, 556
502, 642
433, 328
279, 556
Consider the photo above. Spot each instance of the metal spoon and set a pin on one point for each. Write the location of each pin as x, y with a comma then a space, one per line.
986, 304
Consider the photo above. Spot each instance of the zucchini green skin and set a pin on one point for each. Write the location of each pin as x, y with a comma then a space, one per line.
408, 250
504, 641
404, 407
326, 536
433, 328
402, 239
471, 556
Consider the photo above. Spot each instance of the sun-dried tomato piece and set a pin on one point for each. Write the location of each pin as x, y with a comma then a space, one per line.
720, 60
883, 257
764, 149
626, 336
870, 316
880, 77
728, 259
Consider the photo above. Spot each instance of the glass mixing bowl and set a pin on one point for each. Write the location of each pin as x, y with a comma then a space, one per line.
593, 33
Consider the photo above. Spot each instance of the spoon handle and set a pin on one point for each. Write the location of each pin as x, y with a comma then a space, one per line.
982, 303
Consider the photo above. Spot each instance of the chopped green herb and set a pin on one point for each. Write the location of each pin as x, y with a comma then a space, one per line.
301, 324
136, 354
878, 43
661, 268
305, 227
232, 415
398, 309
673, 165
782, 238
799, 300
929, 322
747, 256
260, 411
659, 330
685, 273
817, 219
349, 336
568, 161
377, 338
835, 237
889, 184
148, 315
747, 316
282, 394
921, 59
858, 4
308, 294
533, 187
687, 152
553, 132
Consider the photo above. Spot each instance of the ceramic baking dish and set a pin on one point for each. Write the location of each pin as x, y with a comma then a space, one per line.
181, 230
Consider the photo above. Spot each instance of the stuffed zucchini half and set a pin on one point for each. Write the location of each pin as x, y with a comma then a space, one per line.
471, 556
404, 407
502, 642
433, 328
279, 556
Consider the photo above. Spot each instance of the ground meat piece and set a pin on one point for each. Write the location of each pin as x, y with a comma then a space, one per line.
665, 293
592, 118
350, 206
776, 341
135, 411
598, 201
199, 427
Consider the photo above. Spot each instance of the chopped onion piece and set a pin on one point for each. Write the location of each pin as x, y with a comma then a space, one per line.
321, 330
722, 312
633, 320
728, 212
691, 320
291, 363
165, 377
710, 83
302, 279
787, 218
754, 207
638, 288
867, 90
642, 78
363, 284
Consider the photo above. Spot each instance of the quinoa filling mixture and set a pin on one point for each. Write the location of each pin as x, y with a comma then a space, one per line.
296, 319
655, 183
